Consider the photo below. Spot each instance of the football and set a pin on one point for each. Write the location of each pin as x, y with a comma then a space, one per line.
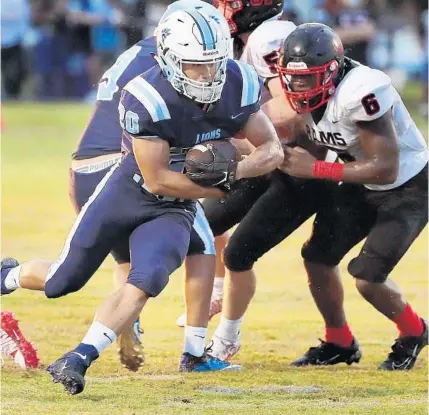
207, 161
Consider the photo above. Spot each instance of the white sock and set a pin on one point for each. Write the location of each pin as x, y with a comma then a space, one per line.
11, 281
195, 340
218, 288
99, 336
228, 329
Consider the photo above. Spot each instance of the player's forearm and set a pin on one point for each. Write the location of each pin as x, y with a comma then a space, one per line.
370, 172
172, 184
265, 158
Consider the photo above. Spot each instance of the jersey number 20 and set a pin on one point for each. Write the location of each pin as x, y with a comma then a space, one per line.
129, 120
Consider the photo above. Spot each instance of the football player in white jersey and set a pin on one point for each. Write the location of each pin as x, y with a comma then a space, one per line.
355, 111
257, 34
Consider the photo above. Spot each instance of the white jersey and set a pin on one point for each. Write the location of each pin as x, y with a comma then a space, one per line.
263, 45
366, 94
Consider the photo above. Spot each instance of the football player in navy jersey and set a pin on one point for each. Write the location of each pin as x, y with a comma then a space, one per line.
100, 148
257, 36
97, 151
194, 92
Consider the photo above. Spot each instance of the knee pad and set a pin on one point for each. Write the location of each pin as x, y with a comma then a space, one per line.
312, 253
238, 260
60, 284
153, 282
375, 269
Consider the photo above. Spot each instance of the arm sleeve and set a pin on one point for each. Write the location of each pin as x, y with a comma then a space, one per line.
136, 120
256, 106
251, 87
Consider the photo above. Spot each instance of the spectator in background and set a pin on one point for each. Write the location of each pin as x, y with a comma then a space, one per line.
51, 52
103, 18
351, 21
15, 21
134, 21
290, 14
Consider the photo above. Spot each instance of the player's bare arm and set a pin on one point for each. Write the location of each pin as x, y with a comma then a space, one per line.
152, 156
275, 87
268, 153
287, 122
379, 142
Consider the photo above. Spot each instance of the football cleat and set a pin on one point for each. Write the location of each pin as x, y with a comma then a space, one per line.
70, 370
205, 363
224, 349
330, 354
6, 265
14, 344
405, 351
215, 308
130, 348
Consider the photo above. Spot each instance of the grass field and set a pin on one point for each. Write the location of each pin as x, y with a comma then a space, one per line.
281, 324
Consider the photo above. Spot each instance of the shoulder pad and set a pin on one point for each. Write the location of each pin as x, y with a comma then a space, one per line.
364, 94
263, 45
147, 95
251, 85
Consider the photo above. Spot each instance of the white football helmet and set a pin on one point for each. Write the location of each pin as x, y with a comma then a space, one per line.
195, 37
197, 5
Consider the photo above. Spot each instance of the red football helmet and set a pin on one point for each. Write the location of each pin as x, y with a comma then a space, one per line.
310, 66
246, 15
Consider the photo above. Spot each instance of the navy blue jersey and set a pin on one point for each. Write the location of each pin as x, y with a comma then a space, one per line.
103, 132
151, 107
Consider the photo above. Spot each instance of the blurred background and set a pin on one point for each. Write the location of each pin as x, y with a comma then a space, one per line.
58, 49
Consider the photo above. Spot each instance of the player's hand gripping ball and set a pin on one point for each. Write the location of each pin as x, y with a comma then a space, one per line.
213, 164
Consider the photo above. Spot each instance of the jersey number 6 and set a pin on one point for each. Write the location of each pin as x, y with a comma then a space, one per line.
370, 104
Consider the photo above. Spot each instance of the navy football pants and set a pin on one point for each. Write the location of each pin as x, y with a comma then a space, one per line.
158, 232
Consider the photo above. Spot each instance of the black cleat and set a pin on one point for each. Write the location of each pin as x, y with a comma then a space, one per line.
405, 351
330, 354
70, 371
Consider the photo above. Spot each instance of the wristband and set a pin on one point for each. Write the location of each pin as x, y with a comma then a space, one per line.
325, 170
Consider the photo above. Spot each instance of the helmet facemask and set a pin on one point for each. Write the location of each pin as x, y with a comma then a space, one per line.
246, 15
228, 9
312, 98
202, 92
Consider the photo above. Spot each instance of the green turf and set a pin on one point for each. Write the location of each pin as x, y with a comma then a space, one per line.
282, 320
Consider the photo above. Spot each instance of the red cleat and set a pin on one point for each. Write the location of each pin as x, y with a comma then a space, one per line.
14, 344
